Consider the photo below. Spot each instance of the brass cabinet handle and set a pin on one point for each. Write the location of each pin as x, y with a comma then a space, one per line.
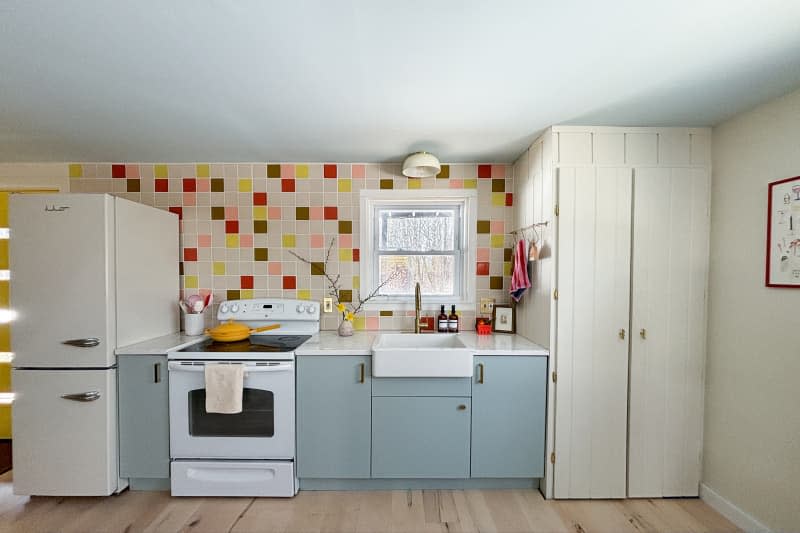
480, 373
622, 334
362, 373
462, 407
156, 372
643, 333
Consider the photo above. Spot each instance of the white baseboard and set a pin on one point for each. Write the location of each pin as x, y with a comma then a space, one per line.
730, 511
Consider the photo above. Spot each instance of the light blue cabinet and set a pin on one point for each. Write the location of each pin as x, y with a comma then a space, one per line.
333, 416
143, 392
508, 416
420, 437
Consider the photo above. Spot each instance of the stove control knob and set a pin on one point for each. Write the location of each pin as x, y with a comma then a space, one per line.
223, 308
234, 308
311, 309
300, 308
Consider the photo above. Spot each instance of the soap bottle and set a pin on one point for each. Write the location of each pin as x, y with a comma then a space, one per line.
452, 320
442, 321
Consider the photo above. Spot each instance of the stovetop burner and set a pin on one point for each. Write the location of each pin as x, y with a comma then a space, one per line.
253, 344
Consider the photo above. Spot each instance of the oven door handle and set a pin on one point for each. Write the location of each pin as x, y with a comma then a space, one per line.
248, 369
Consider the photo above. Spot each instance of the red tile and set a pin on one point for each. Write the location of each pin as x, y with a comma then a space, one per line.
331, 212
485, 171
356, 254
509, 199
329, 171
189, 185
259, 198
246, 282
289, 282
178, 211
190, 254
117, 171
287, 185
162, 185
231, 226
483, 269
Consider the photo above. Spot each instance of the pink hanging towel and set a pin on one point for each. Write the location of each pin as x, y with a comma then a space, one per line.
520, 282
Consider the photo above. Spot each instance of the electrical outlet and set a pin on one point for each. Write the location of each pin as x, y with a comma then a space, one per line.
487, 305
327, 305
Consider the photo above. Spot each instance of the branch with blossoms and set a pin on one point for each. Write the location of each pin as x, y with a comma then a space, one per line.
348, 309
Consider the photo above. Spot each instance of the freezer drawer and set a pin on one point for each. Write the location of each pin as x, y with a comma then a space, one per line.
233, 478
64, 432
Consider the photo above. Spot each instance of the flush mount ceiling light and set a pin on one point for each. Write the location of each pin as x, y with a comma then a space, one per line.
421, 165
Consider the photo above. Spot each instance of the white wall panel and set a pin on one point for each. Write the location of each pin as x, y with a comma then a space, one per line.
641, 148
700, 148
673, 147
609, 148
575, 148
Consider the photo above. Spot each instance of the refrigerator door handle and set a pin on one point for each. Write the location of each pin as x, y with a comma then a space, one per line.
89, 342
83, 396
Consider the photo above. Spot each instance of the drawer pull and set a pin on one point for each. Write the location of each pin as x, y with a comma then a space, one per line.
362, 373
462, 407
480, 373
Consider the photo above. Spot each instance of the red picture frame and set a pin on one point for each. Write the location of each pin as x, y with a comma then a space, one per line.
783, 234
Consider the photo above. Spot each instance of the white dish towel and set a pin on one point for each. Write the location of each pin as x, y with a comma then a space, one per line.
224, 386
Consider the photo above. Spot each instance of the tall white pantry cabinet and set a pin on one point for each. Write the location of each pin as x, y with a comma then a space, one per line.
628, 276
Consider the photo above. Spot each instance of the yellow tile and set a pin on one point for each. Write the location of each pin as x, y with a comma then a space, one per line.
3, 254
5, 377
498, 241
3, 295
5, 338
499, 199
246, 185
360, 323
190, 282
301, 171
288, 240
356, 282
160, 171
202, 171
75, 171
414, 183
303, 294
260, 212
345, 254
5, 422
232, 240
471, 183
246, 294
219, 268
506, 269
345, 185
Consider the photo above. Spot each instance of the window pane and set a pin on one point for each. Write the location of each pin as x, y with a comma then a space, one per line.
435, 274
417, 230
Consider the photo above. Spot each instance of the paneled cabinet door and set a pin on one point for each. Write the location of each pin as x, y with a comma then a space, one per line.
508, 416
334, 395
143, 416
670, 263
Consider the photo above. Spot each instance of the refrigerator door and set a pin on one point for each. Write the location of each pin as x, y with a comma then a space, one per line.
65, 432
62, 279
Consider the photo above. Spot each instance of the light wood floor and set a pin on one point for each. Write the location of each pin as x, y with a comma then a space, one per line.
368, 512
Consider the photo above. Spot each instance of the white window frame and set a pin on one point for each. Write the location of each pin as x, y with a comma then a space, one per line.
467, 200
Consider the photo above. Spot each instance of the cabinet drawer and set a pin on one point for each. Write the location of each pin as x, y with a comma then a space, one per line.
421, 386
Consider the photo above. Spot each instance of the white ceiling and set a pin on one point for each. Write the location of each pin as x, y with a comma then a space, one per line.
371, 80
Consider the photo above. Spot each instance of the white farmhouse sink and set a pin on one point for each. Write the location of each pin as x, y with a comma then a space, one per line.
420, 355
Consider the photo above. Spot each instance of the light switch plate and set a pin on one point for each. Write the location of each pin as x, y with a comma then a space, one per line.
327, 305
487, 305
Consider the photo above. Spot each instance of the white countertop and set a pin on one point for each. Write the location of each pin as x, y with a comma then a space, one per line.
330, 343
160, 345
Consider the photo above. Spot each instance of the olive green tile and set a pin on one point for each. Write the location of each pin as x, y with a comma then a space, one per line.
317, 268
180, 268
498, 185
217, 213
387, 184
233, 294
507, 254
301, 213
134, 185
345, 295
387, 313
261, 254
484, 226
346, 226
273, 171
217, 185
496, 282
444, 173
259, 226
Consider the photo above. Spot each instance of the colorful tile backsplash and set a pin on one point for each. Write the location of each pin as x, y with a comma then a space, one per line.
238, 222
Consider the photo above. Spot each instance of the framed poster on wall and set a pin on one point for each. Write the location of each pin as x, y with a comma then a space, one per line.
783, 233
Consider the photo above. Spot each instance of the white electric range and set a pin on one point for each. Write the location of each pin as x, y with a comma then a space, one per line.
250, 453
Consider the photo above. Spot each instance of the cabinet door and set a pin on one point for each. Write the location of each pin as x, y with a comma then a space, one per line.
420, 437
668, 318
143, 416
508, 416
333, 416
593, 269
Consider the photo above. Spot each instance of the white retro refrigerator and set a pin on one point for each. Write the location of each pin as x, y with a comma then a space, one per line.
89, 273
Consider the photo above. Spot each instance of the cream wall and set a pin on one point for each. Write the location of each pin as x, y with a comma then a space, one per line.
34, 175
752, 423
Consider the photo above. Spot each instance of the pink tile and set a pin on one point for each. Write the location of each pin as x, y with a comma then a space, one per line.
483, 254
204, 292
246, 240
131, 171
317, 213
456, 184
498, 227
498, 171
373, 323
317, 240
358, 171
189, 198
231, 213
345, 241
287, 171
204, 241
274, 213
274, 268
203, 185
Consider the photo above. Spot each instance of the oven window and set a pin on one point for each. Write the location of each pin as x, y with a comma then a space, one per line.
257, 418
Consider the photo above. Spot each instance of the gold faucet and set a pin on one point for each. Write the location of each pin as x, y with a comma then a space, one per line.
417, 308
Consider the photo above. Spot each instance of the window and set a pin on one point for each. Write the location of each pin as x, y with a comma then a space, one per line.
425, 236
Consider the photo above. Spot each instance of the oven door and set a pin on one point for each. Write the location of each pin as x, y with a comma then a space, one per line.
263, 430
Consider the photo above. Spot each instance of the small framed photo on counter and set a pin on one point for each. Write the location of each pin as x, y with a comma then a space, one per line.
504, 319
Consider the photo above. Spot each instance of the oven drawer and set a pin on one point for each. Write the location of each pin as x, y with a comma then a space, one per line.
233, 478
